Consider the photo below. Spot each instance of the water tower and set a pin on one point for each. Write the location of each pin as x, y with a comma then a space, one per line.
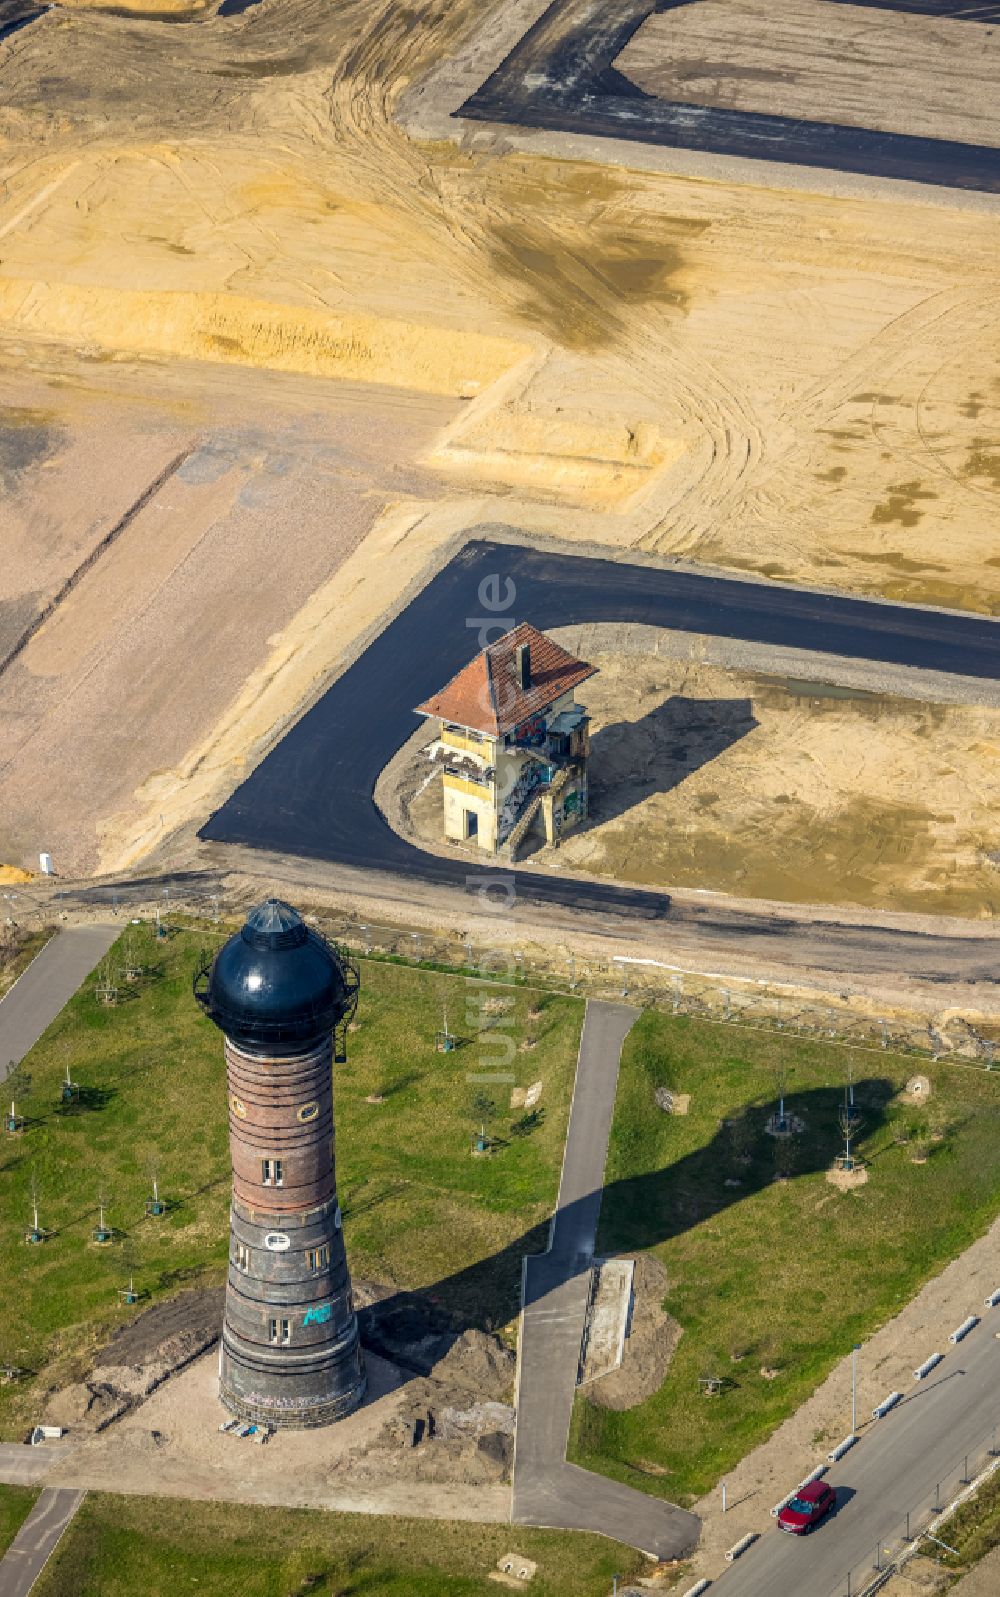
281, 994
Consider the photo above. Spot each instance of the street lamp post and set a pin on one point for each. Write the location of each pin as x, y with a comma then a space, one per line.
854, 1387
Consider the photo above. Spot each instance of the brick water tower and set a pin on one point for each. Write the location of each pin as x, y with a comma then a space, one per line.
281, 994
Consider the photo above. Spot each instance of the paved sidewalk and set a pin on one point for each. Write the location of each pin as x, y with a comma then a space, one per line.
35, 1542
27, 1466
548, 1490
49, 982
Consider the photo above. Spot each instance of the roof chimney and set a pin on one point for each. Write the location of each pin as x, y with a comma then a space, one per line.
523, 656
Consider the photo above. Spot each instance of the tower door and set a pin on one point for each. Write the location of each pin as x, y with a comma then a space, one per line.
472, 823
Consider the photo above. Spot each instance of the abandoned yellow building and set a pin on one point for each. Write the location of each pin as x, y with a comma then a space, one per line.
513, 743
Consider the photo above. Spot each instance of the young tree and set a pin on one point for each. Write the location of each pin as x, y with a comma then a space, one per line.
483, 1110
850, 1125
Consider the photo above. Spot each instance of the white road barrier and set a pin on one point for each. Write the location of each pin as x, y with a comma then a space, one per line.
841, 1448
928, 1365
740, 1547
886, 1404
993, 1299
697, 1589
817, 1472
964, 1329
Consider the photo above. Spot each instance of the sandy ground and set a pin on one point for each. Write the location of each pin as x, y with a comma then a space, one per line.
793, 384
673, 342
172, 1446
212, 525
887, 1362
763, 787
825, 64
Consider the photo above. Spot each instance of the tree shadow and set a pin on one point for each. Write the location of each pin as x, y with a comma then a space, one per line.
88, 1099
397, 1084
636, 1214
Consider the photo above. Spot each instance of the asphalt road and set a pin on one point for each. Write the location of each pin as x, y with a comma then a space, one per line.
311, 796
547, 1490
34, 1543
892, 1470
49, 982
561, 76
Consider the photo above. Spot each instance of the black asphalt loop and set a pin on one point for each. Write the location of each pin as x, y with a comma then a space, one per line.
312, 795
561, 76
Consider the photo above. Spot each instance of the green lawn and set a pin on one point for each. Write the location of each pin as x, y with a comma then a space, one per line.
419, 1208
16, 1503
974, 1530
774, 1275
117, 1546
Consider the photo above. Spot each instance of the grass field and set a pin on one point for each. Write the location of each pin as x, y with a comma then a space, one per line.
419, 1208
117, 1546
974, 1530
17, 949
16, 1503
777, 1275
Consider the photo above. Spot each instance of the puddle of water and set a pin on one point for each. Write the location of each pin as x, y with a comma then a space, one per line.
151, 16
235, 8
800, 688
22, 21
26, 437
900, 505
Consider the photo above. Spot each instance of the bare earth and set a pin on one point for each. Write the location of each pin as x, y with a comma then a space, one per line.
764, 787
794, 384
824, 63
173, 1446
158, 635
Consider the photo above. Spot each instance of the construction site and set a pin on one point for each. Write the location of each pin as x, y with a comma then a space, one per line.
517, 488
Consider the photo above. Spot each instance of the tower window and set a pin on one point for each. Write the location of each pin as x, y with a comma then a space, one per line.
317, 1258
242, 1256
280, 1331
271, 1173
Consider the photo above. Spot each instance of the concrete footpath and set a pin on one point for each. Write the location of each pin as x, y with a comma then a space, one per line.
49, 982
36, 1541
548, 1490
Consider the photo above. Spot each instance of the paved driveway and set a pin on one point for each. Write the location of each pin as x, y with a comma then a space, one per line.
34, 1543
547, 1490
49, 982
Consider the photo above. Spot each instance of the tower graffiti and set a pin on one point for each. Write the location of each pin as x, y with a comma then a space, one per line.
281, 994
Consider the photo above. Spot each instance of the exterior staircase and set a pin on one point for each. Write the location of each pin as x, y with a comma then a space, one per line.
519, 830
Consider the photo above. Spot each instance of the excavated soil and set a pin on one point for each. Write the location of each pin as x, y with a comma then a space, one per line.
649, 1346
438, 1443
780, 382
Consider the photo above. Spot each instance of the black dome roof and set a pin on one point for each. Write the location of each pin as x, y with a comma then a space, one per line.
276, 983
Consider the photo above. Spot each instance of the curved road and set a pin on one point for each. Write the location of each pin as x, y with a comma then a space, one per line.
307, 810
311, 796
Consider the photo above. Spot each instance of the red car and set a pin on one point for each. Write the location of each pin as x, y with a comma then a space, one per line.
807, 1508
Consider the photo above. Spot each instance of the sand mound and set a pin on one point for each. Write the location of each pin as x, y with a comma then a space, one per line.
649, 1347
290, 338
845, 1180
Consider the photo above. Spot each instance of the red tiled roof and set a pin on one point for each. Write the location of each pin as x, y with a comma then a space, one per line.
486, 695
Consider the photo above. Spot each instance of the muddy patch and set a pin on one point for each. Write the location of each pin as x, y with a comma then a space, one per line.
27, 437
